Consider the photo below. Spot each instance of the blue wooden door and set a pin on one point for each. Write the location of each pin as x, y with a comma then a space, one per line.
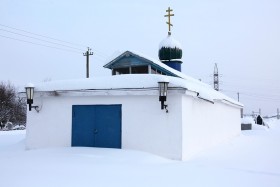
96, 126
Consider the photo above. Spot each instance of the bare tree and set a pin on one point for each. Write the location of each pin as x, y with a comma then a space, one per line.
12, 107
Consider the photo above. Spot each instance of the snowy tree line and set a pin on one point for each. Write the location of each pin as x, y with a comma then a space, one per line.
12, 107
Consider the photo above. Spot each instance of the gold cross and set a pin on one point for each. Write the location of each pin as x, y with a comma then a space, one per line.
169, 21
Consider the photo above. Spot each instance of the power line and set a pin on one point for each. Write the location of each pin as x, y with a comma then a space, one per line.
249, 93
251, 83
42, 36
259, 96
40, 44
101, 59
41, 39
258, 79
273, 88
99, 53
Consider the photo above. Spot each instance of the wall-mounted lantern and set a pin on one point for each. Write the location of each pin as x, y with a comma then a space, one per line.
29, 95
162, 86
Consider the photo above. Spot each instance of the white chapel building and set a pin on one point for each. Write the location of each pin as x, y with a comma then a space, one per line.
146, 105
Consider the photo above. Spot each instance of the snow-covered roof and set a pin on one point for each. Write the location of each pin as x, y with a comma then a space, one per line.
120, 54
170, 42
138, 81
134, 81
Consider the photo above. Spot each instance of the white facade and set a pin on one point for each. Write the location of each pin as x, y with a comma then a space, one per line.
144, 125
206, 124
191, 125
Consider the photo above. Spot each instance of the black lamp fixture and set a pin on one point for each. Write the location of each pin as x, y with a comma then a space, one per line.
163, 94
29, 95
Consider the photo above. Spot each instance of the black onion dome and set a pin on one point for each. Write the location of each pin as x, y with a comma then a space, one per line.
170, 49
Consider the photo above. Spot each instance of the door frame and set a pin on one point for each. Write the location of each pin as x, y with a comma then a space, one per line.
94, 120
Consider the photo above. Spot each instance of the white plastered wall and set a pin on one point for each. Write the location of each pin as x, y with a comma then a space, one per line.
206, 124
145, 126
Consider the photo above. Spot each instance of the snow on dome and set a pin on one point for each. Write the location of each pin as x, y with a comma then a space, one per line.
30, 85
170, 42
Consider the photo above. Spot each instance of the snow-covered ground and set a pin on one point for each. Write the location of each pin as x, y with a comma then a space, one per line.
252, 159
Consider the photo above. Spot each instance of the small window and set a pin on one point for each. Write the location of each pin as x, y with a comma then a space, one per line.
139, 70
153, 71
119, 71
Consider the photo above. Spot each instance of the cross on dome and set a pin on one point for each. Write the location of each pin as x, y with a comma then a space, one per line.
169, 20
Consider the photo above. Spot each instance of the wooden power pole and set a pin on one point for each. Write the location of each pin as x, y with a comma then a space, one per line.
87, 54
238, 96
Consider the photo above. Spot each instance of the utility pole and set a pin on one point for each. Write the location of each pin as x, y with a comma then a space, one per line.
278, 114
87, 54
216, 77
241, 110
238, 96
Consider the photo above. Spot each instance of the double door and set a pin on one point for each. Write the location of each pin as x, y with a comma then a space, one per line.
96, 126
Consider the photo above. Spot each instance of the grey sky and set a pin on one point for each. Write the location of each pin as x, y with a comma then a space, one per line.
242, 36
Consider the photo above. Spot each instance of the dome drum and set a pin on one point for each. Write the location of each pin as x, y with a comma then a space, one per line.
175, 64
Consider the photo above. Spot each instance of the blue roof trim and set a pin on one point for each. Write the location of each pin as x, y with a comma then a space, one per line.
136, 60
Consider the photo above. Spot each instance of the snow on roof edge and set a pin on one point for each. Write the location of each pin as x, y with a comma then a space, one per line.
133, 81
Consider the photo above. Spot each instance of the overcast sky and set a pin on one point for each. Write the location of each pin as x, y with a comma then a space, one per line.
241, 36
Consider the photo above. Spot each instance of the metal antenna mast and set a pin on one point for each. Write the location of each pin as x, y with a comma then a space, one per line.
216, 77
